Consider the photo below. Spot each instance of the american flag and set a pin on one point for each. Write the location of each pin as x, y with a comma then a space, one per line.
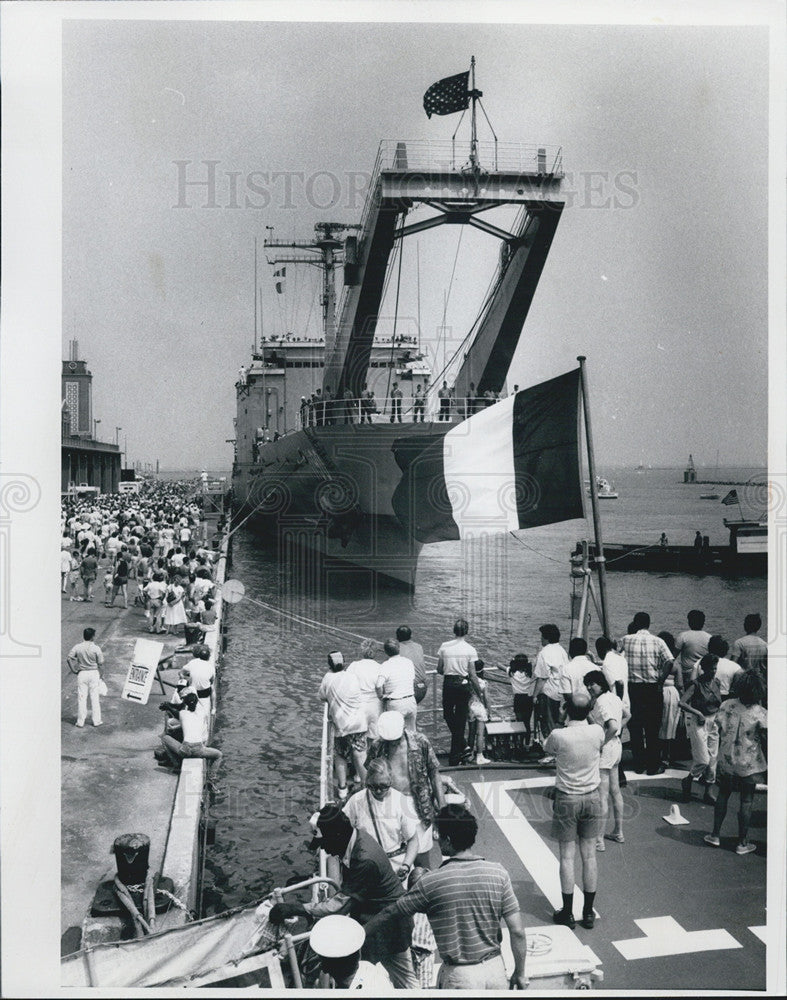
447, 95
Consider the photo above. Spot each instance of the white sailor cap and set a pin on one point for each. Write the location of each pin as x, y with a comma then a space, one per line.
390, 725
337, 936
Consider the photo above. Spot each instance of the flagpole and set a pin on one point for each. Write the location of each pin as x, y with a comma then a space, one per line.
254, 348
600, 560
473, 134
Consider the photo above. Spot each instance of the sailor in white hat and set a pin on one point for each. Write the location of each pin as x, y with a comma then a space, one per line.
338, 941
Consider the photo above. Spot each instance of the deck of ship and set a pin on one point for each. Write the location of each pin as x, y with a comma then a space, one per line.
673, 912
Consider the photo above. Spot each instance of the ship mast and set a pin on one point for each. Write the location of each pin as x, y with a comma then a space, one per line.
328, 250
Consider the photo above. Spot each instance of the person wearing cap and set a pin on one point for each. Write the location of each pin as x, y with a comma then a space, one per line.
338, 941
368, 885
342, 692
456, 664
465, 899
395, 684
380, 811
414, 772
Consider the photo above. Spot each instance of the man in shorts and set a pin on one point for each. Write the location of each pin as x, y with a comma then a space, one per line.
343, 694
577, 808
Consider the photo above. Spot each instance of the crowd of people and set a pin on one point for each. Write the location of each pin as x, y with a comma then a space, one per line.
398, 831
147, 551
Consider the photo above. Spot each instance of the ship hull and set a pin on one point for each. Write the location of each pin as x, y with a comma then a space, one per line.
321, 498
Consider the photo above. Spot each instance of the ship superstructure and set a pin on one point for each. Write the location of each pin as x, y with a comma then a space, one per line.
322, 475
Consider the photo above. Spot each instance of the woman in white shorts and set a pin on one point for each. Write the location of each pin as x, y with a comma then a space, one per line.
608, 712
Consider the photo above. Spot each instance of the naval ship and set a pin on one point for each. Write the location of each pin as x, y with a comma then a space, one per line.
316, 478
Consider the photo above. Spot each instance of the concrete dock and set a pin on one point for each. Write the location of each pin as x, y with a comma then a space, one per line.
111, 782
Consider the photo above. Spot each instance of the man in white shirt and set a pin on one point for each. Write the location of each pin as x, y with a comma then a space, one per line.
202, 673
456, 663
85, 660
578, 665
194, 721
395, 684
726, 669
343, 694
548, 671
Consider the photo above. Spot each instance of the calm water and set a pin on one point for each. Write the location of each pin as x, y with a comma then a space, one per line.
270, 719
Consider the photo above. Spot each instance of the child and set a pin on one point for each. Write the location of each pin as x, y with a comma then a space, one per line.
479, 715
108, 577
523, 684
423, 942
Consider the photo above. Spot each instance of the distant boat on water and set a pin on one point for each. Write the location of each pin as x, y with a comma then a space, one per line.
710, 496
604, 489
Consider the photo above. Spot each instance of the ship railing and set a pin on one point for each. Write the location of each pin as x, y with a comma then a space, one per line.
337, 412
446, 155
443, 155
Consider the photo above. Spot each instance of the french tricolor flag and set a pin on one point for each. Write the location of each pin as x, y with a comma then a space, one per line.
513, 465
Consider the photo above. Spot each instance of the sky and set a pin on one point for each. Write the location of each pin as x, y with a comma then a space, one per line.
658, 272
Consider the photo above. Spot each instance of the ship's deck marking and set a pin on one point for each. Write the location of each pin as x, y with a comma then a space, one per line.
664, 936
535, 855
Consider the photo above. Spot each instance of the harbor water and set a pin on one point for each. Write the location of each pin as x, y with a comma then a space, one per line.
270, 717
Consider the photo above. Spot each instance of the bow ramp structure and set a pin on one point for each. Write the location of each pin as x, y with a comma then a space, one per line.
429, 173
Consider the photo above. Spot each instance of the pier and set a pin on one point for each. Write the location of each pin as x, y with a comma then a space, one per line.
111, 784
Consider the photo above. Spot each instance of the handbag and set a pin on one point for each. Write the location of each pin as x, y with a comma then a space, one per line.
172, 597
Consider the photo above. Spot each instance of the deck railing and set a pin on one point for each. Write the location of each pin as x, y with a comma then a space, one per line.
441, 155
336, 412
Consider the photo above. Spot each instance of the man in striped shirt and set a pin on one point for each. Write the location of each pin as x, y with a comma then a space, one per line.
465, 901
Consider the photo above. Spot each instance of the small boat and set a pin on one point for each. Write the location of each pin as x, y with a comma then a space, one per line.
604, 489
710, 496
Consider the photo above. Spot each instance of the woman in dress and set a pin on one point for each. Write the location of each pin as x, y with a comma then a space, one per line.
174, 608
608, 712
700, 703
743, 731
366, 670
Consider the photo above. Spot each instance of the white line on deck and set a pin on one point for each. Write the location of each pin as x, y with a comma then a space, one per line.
535, 855
664, 936
761, 933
